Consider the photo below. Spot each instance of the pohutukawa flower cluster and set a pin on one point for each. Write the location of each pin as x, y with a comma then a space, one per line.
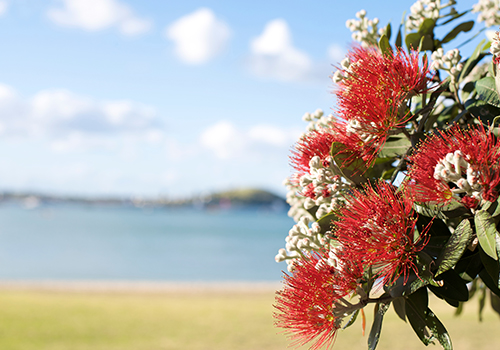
396, 193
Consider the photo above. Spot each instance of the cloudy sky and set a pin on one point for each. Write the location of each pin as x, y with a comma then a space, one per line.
161, 97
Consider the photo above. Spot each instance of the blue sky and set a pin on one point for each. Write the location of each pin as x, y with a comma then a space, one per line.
176, 98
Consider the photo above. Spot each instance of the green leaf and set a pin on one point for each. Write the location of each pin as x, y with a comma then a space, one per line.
488, 281
472, 61
415, 305
486, 233
352, 319
462, 27
452, 210
495, 302
459, 309
487, 91
453, 288
455, 247
412, 41
454, 17
399, 38
469, 266
490, 265
349, 162
482, 110
374, 336
384, 45
427, 27
399, 307
388, 30
395, 145
426, 43
405, 286
325, 222
438, 330
482, 299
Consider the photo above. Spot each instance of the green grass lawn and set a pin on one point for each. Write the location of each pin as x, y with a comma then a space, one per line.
193, 321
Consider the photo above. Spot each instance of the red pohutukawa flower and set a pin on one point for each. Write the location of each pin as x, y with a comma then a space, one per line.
350, 150
375, 88
315, 143
458, 163
376, 228
308, 304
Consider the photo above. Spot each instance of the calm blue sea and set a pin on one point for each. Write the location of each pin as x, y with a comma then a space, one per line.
87, 242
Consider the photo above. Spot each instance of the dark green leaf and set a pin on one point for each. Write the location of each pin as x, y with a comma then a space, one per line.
388, 31
469, 266
459, 309
472, 61
399, 307
352, 319
412, 41
405, 286
396, 145
455, 247
488, 281
438, 330
492, 207
453, 17
482, 300
482, 110
490, 265
348, 161
486, 233
452, 302
384, 45
454, 288
427, 27
374, 336
426, 43
415, 306
399, 38
462, 27
487, 91
325, 222
386, 175
495, 302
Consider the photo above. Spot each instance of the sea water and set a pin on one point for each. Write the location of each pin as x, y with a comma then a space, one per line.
82, 242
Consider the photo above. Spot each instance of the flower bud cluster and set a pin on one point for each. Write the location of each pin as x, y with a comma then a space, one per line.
424, 9
449, 62
301, 237
317, 120
364, 30
366, 132
495, 48
489, 12
450, 168
322, 186
295, 200
342, 73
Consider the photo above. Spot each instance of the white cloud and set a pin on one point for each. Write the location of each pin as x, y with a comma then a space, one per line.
223, 139
198, 36
273, 54
94, 15
3, 7
336, 53
71, 121
226, 141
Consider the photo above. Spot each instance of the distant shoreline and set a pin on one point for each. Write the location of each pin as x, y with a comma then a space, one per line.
149, 287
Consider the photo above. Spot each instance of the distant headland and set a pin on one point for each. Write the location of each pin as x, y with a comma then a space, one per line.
240, 198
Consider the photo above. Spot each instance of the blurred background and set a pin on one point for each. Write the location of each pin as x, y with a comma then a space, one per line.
147, 142
135, 134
